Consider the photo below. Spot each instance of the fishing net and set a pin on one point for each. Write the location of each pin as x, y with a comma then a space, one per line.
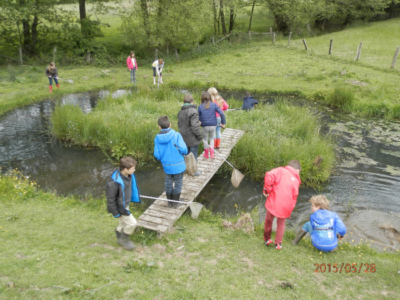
191, 164
236, 178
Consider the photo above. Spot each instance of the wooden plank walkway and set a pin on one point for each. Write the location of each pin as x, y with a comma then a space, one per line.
159, 217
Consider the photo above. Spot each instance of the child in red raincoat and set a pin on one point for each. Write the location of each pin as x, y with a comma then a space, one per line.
281, 187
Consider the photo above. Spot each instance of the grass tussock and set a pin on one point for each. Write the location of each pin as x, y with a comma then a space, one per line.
274, 135
342, 97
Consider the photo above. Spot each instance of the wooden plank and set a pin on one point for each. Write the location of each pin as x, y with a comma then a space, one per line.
159, 217
156, 220
163, 215
152, 226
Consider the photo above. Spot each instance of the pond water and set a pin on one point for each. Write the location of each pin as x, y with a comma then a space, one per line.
367, 174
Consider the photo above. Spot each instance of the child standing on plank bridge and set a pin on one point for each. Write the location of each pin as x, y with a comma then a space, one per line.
208, 121
217, 99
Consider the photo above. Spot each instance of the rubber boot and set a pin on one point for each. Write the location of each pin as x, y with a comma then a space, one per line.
50, 88
217, 143
198, 173
118, 235
212, 152
298, 237
125, 242
154, 80
161, 79
206, 153
170, 204
58, 86
177, 197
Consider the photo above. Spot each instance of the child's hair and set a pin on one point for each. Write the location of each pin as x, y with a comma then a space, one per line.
164, 122
188, 99
206, 99
295, 164
321, 201
51, 66
247, 94
160, 61
215, 97
126, 163
130, 54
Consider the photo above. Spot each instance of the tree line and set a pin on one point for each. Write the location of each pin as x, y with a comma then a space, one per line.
36, 26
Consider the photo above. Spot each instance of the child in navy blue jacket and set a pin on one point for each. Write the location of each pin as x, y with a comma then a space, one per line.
169, 148
121, 190
249, 102
208, 121
324, 226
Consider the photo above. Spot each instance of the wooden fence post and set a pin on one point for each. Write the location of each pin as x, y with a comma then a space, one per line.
249, 34
88, 57
213, 40
330, 47
20, 56
273, 38
54, 53
395, 57
290, 36
305, 44
358, 52
270, 32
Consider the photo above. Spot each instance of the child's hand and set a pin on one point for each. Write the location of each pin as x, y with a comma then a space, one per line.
266, 195
223, 125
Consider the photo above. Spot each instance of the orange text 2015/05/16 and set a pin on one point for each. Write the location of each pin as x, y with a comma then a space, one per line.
345, 268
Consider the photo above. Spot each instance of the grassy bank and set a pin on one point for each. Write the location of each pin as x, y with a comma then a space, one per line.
65, 248
255, 66
274, 135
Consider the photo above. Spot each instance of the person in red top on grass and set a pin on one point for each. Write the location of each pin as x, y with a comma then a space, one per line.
281, 187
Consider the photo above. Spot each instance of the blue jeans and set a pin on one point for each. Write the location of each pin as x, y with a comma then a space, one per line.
169, 183
133, 75
51, 80
218, 129
193, 149
308, 228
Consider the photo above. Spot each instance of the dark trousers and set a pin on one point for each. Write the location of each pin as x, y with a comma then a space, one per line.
170, 187
193, 149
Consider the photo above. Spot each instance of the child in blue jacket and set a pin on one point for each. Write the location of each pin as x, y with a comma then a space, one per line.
249, 102
324, 226
169, 148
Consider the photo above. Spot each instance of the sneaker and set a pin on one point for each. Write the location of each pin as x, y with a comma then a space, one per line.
278, 246
269, 242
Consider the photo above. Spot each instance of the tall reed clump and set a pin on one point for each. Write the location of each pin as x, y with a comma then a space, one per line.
342, 97
122, 126
276, 134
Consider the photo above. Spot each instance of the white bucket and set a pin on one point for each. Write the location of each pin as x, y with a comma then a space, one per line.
196, 208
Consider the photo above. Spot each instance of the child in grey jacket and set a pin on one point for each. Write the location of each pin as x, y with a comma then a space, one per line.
121, 190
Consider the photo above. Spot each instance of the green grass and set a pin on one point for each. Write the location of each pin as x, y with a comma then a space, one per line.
65, 248
274, 135
255, 66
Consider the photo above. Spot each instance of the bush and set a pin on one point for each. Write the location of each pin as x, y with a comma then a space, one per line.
342, 97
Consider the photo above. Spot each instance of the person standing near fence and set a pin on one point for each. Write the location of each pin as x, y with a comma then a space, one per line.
51, 73
158, 65
132, 66
217, 99
208, 121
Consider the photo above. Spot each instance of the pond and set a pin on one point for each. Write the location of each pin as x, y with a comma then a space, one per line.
367, 173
